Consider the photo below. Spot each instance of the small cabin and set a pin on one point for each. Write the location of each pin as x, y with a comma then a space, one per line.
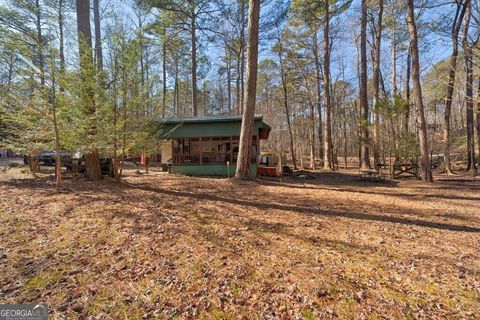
207, 145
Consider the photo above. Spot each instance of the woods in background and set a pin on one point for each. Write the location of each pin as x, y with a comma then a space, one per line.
379, 81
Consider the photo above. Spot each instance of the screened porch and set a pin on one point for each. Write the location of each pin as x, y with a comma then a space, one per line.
208, 150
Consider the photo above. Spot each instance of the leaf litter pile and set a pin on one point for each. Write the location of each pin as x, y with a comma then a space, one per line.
176, 247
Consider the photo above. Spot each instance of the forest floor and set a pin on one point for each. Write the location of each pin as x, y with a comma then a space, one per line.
169, 246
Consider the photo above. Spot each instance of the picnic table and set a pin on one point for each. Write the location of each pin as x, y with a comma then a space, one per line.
405, 169
371, 175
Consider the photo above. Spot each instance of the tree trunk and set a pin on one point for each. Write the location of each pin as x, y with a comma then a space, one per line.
229, 81
33, 165
420, 112
394, 52
85, 45
391, 121
460, 126
245, 146
328, 151
319, 92
58, 159
267, 98
147, 93
365, 154
242, 55
300, 148
124, 125
40, 55
193, 27
358, 131
376, 86
285, 103
145, 159
185, 101
92, 161
92, 165
456, 25
312, 136
406, 112
98, 36
205, 97
115, 138
143, 92
468, 56
11, 64
337, 127
478, 126
345, 141
61, 46
164, 72
237, 85
176, 95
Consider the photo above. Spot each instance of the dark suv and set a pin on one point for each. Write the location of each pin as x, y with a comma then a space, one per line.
75, 162
47, 158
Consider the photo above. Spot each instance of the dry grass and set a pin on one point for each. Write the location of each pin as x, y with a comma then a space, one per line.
166, 246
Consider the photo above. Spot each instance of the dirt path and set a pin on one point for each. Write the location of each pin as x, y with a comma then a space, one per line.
174, 246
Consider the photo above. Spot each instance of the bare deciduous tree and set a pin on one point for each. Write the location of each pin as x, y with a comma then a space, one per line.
420, 111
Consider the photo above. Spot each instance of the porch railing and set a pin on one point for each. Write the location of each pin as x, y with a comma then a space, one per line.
186, 159
206, 158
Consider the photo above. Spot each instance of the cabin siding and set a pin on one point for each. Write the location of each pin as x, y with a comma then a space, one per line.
211, 170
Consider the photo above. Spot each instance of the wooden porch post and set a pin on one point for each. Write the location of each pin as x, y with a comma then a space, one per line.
258, 147
173, 152
200, 145
231, 150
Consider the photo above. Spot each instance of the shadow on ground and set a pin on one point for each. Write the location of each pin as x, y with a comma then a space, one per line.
125, 189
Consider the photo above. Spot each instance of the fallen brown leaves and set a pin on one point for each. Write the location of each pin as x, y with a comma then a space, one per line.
167, 246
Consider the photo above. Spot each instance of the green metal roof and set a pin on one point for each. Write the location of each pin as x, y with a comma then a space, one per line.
205, 126
209, 118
